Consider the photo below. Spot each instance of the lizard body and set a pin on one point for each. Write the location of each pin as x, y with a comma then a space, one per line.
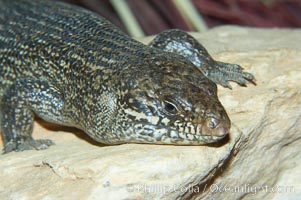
72, 67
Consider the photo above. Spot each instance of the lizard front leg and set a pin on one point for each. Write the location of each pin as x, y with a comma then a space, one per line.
21, 100
180, 42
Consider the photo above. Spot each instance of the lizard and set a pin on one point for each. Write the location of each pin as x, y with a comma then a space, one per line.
70, 66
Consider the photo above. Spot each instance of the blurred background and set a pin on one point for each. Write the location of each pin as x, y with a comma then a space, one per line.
139, 18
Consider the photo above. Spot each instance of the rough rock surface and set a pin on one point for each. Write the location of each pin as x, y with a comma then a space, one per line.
260, 160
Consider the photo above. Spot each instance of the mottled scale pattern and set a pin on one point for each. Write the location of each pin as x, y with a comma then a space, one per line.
72, 67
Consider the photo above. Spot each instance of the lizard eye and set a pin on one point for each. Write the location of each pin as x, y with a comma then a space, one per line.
170, 108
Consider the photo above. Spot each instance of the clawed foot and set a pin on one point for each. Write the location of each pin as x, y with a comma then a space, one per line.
27, 145
232, 72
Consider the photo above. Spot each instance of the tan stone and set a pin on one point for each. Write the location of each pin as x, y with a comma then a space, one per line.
262, 153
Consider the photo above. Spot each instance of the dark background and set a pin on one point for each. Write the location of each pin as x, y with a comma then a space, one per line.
154, 16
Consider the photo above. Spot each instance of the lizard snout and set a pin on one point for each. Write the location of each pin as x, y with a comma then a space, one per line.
216, 127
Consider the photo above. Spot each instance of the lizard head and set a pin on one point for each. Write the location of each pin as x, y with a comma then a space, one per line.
167, 103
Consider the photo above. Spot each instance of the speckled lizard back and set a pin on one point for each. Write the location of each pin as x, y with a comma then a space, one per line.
72, 67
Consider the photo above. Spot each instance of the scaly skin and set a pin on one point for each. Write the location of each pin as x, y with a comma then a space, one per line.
72, 67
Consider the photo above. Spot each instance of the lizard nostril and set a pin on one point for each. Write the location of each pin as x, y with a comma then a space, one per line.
212, 122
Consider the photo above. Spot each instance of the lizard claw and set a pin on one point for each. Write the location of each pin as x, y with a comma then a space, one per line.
233, 72
27, 145
225, 83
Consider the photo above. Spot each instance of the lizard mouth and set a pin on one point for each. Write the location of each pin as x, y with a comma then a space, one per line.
184, 138
147, 133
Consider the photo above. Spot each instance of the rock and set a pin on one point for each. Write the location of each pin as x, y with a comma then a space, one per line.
260, 160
